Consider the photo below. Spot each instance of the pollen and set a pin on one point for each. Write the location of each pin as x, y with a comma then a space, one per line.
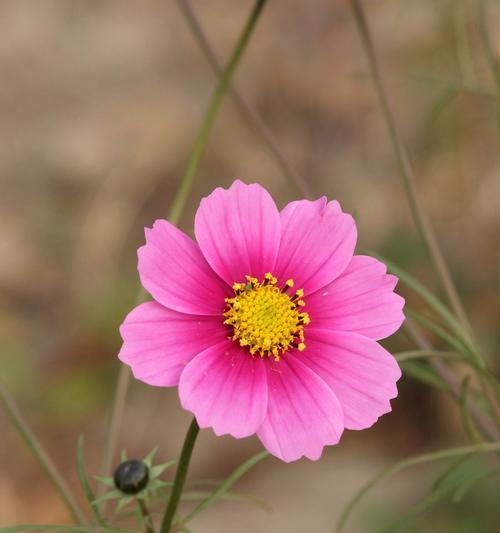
264, 318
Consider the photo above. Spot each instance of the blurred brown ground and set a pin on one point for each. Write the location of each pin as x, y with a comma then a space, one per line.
99, 106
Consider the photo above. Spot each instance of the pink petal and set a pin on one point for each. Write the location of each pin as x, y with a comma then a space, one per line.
303, 414
238, 231
362, 374
174, 271
226, 389
317, 243
360, 300
158, 342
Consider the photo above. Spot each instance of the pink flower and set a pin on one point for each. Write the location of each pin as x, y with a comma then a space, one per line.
268, 323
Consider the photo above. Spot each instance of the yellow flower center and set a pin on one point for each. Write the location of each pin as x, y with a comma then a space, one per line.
265, 318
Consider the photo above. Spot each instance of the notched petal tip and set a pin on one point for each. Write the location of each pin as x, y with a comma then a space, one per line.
238, 231
173, 270
226, 389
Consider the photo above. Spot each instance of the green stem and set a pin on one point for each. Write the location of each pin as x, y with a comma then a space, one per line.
45, 461
487, 43
180, 476
406, 169
213, 109
178, 205
89, 493
117, 411
413, 461
148, 522
426, 354
253, 118
467, 421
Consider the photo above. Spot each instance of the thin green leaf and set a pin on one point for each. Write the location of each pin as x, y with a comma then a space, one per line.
448, 473
108, 496
484, 447
148, 460
435, 303
226, 484
157, 470
452, 480
420, 507
440, 332
123, 502
89, 494
123, 455
108, 481
138, 515
486, 378
410, 355
424, 373
468, 423
441, 103
158, 484
469, 483
453, 85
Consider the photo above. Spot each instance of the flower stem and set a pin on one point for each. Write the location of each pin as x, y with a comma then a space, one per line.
406, 169
45, 461
213, 109
253, 118
180, 476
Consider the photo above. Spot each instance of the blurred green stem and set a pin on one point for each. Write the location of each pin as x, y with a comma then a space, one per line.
180, 476
178, 205
255, 121
87, 489
212, 111
45, 461
468, 422
406, 169
148, 522
487, 43
464, 54
426, 354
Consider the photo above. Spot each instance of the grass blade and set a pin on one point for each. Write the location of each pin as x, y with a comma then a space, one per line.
89, 494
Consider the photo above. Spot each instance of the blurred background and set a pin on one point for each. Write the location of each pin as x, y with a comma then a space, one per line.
100, 103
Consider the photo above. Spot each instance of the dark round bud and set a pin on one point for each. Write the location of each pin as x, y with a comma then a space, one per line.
131, 476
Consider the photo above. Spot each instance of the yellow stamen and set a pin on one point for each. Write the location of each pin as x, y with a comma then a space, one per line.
264, 318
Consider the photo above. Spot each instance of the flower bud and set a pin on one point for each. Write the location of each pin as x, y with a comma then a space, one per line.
131, 476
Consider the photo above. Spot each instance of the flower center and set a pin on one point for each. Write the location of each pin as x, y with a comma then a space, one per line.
265, 318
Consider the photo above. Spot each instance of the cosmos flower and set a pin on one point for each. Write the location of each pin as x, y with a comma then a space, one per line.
268, 323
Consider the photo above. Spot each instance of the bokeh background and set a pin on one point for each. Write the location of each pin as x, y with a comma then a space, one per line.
99, 106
